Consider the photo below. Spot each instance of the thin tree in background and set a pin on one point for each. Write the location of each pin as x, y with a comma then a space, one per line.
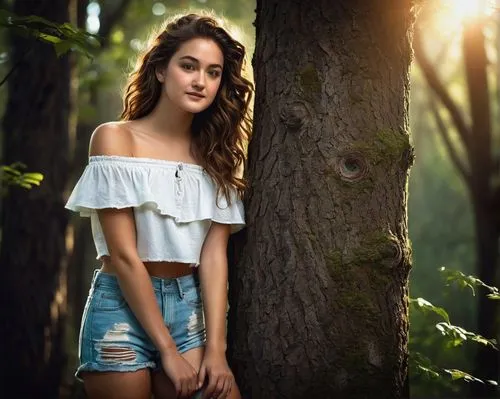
82, 235
318, 290
33, 223
477, 162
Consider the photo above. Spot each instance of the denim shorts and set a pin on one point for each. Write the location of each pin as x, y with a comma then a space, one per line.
111, 338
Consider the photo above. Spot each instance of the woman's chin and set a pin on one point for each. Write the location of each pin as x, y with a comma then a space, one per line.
194, 108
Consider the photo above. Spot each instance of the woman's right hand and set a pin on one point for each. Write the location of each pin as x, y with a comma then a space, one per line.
181, 373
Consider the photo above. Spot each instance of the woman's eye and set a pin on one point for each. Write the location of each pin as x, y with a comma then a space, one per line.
188, 67
214, 74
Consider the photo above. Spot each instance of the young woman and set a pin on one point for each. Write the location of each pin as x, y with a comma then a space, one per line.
163, 194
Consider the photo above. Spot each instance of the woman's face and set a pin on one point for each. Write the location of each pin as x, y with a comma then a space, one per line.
193, 75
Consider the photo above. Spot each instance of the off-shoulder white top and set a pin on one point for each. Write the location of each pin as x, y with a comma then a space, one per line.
174, 204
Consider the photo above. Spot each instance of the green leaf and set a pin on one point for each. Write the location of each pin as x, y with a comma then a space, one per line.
30, 181
460, 279
462, 375
64, 37
422, 365
49, 38
459, 335
63, 47
11, 170
426, 368
429, 372
426, 306
34, 175
11, 176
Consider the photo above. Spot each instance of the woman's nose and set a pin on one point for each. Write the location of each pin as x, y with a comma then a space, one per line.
199, 81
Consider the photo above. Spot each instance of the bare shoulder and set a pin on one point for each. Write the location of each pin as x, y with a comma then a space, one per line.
111, 138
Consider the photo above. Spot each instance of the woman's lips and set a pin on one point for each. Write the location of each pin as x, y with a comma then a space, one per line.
196, 95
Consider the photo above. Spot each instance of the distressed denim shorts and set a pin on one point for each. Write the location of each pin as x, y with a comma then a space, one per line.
111, 338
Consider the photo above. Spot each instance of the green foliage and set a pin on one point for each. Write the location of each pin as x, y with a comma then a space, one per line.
463, 281
458, 335
64, 37
422, 365
461, 375
454, 336
12, 175
426, 307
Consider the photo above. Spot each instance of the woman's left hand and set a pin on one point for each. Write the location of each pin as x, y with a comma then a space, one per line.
220, 378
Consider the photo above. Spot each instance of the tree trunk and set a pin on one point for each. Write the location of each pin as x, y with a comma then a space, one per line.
79, 259
82, 258
81, 228
32, 252
487, 364
319, 293
481, 169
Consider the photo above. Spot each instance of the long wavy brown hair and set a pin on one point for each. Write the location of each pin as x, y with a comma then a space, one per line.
219, 133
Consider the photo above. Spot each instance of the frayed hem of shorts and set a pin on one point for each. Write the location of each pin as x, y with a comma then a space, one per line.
123, 368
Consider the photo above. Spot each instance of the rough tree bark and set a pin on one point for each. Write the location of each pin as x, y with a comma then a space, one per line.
319, 289
32, 252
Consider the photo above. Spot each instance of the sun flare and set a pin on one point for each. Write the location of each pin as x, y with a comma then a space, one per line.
462, 10
450, 15
465, 8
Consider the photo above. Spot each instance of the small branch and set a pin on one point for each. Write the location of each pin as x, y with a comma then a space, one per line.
452, 151
437, 86
11, 72
18, 63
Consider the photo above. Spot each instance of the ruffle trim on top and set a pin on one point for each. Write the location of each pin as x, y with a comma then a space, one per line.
180, 190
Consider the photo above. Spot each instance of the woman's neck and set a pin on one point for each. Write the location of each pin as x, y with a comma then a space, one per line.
168, 119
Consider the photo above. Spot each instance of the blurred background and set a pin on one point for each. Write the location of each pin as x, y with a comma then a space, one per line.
441, 211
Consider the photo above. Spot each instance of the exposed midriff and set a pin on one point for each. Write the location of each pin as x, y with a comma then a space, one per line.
157, 269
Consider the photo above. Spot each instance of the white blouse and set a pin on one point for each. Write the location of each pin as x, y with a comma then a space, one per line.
174, 204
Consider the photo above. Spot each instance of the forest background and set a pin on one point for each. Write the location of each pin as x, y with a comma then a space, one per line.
441, 222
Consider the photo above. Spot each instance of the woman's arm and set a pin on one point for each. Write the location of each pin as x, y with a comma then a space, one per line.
213, 277
118, 226
119, 231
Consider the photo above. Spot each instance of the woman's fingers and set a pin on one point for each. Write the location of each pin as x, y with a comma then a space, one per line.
187, 381
210, 389
223, 388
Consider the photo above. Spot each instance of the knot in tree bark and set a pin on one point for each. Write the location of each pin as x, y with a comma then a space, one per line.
392, 252
295, 116
352, 167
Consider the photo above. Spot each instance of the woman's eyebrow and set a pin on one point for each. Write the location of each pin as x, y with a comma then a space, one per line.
195, 60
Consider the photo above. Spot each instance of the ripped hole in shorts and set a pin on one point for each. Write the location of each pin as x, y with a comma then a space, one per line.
111, 348
196, 322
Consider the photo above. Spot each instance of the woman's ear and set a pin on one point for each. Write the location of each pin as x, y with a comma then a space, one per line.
160, 74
